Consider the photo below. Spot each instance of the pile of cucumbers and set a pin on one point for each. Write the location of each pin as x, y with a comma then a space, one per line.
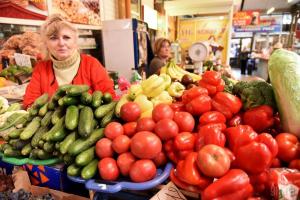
66, 126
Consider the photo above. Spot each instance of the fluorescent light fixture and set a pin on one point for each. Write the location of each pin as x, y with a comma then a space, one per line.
270, 10
221, 17
289, 1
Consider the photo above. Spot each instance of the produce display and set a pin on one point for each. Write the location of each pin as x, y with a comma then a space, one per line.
23, 195
223, 137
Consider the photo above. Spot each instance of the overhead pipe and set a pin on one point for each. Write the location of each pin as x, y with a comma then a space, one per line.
242, 5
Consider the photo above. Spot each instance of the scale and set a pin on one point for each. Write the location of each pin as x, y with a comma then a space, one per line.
198, 53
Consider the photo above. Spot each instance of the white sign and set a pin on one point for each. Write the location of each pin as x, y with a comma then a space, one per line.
22, 60
169, 192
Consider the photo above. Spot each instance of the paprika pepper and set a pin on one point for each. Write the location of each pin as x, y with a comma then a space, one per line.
212, 117
187, 171
259, 118
199, 105
235, 120
183, 185
212, 81
184, 141
192, 93
288, 146
226, 103
234, 184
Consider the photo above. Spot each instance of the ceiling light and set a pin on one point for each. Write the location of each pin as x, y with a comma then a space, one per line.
270, 10
221, 17
289, 1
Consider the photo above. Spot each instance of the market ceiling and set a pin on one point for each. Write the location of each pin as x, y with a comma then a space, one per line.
203, 7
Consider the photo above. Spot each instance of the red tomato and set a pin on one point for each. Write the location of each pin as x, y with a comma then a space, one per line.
121, 144
104, 148
130, 112
160, 159
108, 169
185, 121
213, 161
142, 170
162, 111
113, 129
287, 146
125, 161
145, 145
166, 129
145, 124
130, 128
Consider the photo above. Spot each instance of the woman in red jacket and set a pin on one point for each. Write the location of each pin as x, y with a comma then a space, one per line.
64, 64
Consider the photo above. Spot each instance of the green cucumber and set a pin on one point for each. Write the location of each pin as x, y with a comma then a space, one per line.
34, 153
73, 170
52, 104
41, 144
90, 170
57, 127
38, 136
57, 115
77, 90
15, 134
43, 110
43, 155
57, 146
107, 98
40, 101
48, 147
85, 157
86, 98
68, 160
107, 118
47, 119
67, 101
85, 125
104, 109
82, 144
30, 129
18, 144
72, 117
26, 149
33, 111
59, 135
14, 107
9, 152
97, 99
67, 142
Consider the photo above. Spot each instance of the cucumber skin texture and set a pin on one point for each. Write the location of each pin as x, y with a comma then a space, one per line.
82, 144
85, 157
90, 170
86, 98
67, 142
85, 125
72, 117
73, 170
97, 98
31, 128
104, 110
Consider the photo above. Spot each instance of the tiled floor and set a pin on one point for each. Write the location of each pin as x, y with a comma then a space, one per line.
236, 74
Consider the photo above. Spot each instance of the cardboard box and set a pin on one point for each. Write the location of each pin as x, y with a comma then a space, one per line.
54, 177
21, 181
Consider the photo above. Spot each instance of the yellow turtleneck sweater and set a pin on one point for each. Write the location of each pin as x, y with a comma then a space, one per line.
66, 70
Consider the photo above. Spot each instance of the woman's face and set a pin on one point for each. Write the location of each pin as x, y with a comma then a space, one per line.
164, 51
62, 44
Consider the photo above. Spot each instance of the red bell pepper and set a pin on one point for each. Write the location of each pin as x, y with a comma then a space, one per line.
276, 163
210, 134
170, 152
199, 105
254, 154
184, 141
212, 117
212, 81
192, 93
259, 118
288, 146
175, 154
235, 120
295, 164
259, 181
187, 171
178, 106
226, 103
183, 185
234, 184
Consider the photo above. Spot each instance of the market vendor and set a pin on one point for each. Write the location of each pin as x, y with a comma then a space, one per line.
162, 54
64, 64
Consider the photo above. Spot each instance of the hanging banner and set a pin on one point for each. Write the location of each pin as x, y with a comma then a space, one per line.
245, 18
271, 23
213, 31
78, 11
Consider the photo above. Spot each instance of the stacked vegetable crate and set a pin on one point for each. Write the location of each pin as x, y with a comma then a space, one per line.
67, 126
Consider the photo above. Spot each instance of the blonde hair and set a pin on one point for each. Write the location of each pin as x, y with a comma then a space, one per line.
53, 24
158, 45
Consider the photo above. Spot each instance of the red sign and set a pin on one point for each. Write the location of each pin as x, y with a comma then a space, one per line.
245, 18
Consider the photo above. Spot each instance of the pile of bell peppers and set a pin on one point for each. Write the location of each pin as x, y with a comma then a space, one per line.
246, 135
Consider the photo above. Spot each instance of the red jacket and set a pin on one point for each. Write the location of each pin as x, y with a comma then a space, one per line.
90, 72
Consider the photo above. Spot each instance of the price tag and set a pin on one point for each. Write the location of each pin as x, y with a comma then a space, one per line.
22, 60
169, 192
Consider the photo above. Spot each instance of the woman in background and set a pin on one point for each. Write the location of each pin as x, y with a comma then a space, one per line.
162, 52
64, 64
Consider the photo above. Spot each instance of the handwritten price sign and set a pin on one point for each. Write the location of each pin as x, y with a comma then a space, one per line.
22, 60
169, 192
